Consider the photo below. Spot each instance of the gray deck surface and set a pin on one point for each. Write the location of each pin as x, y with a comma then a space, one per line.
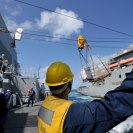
22, 120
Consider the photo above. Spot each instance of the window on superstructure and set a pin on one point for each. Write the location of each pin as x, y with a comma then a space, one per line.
127, 74
120, 76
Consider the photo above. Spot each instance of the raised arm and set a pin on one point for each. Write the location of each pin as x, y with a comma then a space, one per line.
99, 116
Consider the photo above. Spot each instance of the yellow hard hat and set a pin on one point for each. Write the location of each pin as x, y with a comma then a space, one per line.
58, 73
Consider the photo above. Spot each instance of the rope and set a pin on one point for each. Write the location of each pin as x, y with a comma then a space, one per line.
91, 60
84, 58
104, 65
80, 58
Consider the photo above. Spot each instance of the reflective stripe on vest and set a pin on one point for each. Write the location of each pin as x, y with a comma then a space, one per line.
46, 115
52, 114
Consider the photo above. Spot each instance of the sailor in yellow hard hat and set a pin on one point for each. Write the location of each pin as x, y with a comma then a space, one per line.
59, 115
54, 108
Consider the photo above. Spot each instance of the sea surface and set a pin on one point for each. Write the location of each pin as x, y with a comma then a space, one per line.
77, 97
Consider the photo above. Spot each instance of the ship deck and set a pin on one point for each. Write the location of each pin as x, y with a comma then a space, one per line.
22, 119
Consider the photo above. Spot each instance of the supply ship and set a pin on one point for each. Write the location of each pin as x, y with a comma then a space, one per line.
10, 75
109, 76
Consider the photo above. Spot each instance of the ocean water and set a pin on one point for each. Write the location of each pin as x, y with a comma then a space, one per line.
77, 97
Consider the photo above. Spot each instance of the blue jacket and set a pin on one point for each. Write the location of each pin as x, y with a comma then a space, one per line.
8, 95
32, 93
99, 116
3, 108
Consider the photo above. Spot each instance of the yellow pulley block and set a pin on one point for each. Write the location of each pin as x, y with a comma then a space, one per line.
81, 42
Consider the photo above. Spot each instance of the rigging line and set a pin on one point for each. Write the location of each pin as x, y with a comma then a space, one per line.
106, 47
70, 39
103, 65
43, 35
86, 56
89, 22
26, 38
89, 51
80, 57
85, 60
90, 37
50, 36
48, 41
112, 41
4, 31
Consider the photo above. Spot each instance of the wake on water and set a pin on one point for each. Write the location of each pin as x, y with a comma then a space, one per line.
77, 97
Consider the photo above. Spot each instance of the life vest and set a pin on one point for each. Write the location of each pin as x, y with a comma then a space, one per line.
52, 114
28, 93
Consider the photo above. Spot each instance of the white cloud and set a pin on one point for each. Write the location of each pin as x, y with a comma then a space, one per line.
13, 25
27, 25
9, 8
51, 22
15, 12
59, 24
42, 73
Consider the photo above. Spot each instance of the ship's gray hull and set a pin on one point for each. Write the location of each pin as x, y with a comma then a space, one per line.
109, 83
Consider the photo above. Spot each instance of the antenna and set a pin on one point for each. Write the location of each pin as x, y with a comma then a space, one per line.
39, 72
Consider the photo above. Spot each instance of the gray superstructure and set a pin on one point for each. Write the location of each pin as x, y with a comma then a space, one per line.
5, 41
10, 76
119, 67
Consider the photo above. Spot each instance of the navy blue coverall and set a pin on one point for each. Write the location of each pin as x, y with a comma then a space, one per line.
99, 116
31, 97
3, 111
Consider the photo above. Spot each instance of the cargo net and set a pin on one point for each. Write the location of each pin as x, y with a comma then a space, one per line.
91, 70
94, 73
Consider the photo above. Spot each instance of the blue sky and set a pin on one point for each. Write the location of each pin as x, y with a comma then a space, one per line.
32, 54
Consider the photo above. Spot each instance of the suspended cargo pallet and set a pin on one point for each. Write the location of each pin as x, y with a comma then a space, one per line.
89, 70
